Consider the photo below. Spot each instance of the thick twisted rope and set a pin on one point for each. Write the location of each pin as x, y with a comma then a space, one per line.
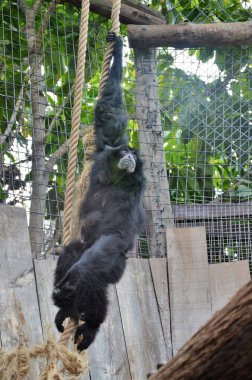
16, 364
75, 121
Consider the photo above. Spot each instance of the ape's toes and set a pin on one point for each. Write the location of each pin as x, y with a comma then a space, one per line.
84, 336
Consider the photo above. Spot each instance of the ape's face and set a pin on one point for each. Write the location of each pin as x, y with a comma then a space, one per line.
128, 159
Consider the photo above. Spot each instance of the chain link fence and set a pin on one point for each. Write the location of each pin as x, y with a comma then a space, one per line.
205, 117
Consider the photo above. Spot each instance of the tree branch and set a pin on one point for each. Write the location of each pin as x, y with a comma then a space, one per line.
59, 112
13, 117
59, 153
50, 10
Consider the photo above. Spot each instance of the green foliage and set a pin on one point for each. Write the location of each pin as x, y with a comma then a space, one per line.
207, 136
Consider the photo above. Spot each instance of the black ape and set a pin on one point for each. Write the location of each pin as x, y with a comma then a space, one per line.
111, 215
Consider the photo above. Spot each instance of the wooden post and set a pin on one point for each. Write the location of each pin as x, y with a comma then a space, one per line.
157, 198
221, 349
190, 35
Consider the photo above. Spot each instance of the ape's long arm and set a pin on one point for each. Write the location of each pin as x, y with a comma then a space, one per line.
110, 117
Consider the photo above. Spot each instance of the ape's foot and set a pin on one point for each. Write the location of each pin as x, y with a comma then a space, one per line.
84, 336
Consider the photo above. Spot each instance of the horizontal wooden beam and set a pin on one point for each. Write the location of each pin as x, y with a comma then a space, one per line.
131, 11
212, 211
189, 35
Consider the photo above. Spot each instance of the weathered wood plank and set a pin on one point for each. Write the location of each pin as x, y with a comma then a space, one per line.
212, 211
188, 282
141, 320
44, 274
18, 299
225, 280
108, 358
160, 281
44, 270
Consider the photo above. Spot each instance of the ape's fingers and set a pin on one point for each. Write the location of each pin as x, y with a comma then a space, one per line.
111, 36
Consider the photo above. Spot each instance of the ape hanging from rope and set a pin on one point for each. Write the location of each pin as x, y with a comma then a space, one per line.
110, 216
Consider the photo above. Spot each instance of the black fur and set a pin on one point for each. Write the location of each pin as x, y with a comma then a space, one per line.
110, 116
111, 214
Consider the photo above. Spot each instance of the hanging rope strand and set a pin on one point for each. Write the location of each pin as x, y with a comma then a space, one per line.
75, 121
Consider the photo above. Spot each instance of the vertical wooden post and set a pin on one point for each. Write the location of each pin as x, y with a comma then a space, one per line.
157, 197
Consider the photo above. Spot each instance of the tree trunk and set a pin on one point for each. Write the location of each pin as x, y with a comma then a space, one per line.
221, 350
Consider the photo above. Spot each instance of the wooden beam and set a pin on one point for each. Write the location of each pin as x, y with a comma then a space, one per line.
190, 35
131, 11
212, 211
219, 350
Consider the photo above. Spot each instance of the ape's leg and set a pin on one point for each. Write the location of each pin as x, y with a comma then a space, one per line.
95, 306
86, 285
103, 262
70, 254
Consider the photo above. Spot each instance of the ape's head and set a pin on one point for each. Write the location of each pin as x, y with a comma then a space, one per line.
127, 158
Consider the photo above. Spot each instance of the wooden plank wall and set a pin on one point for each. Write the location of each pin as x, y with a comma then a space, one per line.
133, 339
225, 280
19, 309
189, 283
153, 309
197, 289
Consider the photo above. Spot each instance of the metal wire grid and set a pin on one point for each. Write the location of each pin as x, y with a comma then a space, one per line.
207, 123
177, 11
58, 66
188, 117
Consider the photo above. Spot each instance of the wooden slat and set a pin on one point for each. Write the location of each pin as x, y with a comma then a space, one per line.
188, 282
211, 211
44, 273
225, 280
18, 299
108, 358
141, 320
160, 281
44, 270
223, 228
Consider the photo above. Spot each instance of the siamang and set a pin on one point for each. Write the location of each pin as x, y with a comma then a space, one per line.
111, 214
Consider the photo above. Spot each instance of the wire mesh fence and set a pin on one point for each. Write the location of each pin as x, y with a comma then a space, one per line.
205, 121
